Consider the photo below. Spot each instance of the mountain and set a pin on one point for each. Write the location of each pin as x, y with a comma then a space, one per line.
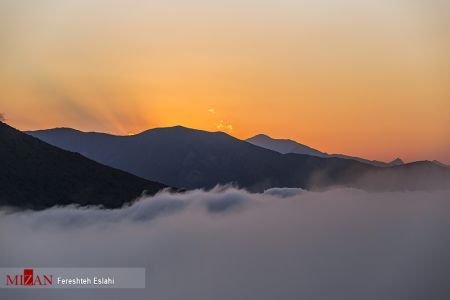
440, 164
35, 174
285, 146
396, 162
189, 158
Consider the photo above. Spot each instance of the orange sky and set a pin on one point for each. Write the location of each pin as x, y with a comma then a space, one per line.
367, 78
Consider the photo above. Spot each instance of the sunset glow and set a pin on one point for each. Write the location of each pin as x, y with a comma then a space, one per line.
366, 78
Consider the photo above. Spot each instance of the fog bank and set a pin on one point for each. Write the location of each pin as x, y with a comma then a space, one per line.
231, 244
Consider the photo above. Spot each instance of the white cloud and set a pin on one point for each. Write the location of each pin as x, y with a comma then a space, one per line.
231, 244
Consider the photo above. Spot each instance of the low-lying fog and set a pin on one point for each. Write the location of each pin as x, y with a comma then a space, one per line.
229, 244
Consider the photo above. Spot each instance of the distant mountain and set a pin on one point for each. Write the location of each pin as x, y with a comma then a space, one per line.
35, 174
396, 162
285, 146
188, 158
440, 164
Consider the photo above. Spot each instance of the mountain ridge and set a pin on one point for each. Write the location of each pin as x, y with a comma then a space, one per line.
191, 158
37, 175
285, 146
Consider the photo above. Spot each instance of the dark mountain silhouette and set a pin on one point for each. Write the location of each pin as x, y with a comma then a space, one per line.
396, 162
189, 158
440, 164
285, 146
35, 174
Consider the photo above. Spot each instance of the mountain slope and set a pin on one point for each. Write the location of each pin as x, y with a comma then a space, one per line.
37, 175
285, 146
440, 164
189, 158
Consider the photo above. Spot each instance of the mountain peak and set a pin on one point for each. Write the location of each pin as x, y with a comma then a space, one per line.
260, 136
177, 129
283, 145
63, 129
396, 162
436, 162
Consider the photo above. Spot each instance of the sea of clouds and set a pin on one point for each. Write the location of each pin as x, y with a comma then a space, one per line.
230, 244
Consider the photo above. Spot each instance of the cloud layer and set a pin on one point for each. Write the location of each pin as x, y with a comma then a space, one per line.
230, 244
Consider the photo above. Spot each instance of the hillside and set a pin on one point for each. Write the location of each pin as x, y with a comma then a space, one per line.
37, 175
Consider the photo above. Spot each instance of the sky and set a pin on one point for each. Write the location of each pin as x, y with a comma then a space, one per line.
367, 78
